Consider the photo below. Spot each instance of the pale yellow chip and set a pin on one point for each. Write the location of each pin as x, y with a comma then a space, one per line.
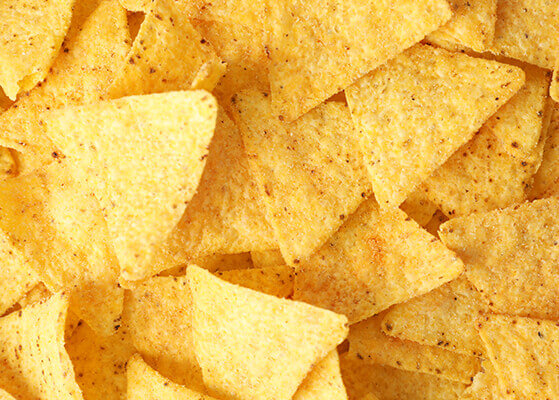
215, 262
254, 346
495, 168
362, 379
445, 317
100, 362
276, 281
415, 111
375, 260
368, 342
167, 55
486, 386
525, 354
309, 172
59, 227
512, 256
472, 24
419, 207
80, 74
143, 178
267, 258
546, 181
145, 383
31, 33
324, 382
35, 364
527, 30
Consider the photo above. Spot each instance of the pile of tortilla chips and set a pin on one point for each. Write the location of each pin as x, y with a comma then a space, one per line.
279, 199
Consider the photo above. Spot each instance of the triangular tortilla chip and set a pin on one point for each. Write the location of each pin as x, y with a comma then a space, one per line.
546, 180
166, 55
324, 382
309, 172
368, 342
527, 30
79, 75
389, 383
512, 256
472, 24
100, 362
143, 192
268, 258
525, 353
444, 317
276, 281
144, 383
229, 324
31, 33
34, 362
415, 111
495, 168
60, 229
419, 207
375, 260
486, 386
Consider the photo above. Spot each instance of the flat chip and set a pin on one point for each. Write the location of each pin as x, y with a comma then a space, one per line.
215, 262
362, 379
546, 180
419, 207
34, 362
268, 258
145, 383
375, 260
444, 317
512, 256
229, 324
166, 55
100, 362
59, 227
309, 172
276, 281
472, 24
486, 386
527, 30
31, 33
79, 75
368, 342
415, 111
525, 353
143, 192
324, 382
495, 168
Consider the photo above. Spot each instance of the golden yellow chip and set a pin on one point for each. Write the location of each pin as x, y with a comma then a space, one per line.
143, 192
100, 362
34, 362
276, 281
527, 30
324, 381
495, 168
546, 180
554, 88
5, 395
5, 101
419, 207
525, 354
309, 172
253, 345
433, 225
444, 317
213, 263
511, 256
267, 258
375, 260
368, 342
31, 33
486, 386
415, 111
8, 163
144, 383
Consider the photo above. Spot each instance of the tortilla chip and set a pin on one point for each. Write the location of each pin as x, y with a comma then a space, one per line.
213, 263
267, 258
276, 281
375, 260
8, 163
554, 88
136, 5
309, 172
387, 383
34, 362
415, 111
472, 24
512, 256
495, 168
100, 362
525, 353
546, 180
229, 323
444, 317
433, 225
59, 227
368, 342
527, 30
324, 382
485, 386
145, 383
126, 175
79, 75
5, 395
31, 33
419, 207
